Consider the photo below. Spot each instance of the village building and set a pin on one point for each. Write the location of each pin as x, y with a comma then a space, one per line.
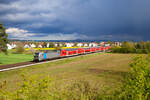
26, 46
79, 44
60, 44
32, 45
117, 43
85, 45
102, 43
13, 45
106, 44
93, 45
47, 45
39, 46
55, 44
69, 44
9, 46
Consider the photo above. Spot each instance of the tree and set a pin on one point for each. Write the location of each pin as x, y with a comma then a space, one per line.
3, 39
44, 45
51, 45
128, 47
20, 49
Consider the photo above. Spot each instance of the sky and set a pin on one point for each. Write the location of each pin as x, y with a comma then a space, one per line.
76, 19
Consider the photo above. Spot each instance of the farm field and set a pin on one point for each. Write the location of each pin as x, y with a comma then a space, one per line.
14, 58
105, 70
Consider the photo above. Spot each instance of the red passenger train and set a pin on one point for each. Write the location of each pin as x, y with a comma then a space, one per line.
68, 52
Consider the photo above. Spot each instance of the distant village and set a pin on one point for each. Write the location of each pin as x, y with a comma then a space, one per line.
14, 44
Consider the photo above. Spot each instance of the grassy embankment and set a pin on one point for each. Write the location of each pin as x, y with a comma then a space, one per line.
105, 70
14, 58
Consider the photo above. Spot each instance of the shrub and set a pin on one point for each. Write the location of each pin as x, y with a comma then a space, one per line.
80, 90
19, 49
115, 49
30, 51
39, 87
137, 84
139, 51
146, 51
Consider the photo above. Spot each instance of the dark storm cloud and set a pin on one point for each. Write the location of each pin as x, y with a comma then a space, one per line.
7, 1
92, 19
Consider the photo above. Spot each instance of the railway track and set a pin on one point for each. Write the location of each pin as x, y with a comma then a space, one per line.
30, 63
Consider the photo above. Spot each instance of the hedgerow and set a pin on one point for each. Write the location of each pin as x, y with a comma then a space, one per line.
132, 47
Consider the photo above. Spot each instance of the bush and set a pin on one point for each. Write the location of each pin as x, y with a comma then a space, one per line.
30, 51
137, 84
115, 49
41, 87
146, 51
139, 51
19, 49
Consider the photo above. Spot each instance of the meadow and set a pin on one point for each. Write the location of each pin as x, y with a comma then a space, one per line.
14, 58
106, 70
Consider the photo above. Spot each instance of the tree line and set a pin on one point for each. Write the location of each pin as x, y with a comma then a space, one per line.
133, 47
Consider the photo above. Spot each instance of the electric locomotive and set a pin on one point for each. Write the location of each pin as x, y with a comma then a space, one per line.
44, 55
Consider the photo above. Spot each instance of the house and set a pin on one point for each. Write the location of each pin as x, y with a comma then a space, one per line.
55, 45
102, 43
85, 44
107, 45
79, 44
9, 46
69, 44
32, 45
13, 45
47, 45
118, 43
93, 45
40, 46
60, 44
26, 46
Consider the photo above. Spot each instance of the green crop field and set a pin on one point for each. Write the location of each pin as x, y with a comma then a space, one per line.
14, 58
106, 70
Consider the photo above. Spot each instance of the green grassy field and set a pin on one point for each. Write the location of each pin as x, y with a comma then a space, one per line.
14, 58
106, 70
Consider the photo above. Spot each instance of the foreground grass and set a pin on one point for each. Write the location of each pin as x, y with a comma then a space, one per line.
105, 70
14, 58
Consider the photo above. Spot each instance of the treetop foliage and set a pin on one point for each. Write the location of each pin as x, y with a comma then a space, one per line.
3, 39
